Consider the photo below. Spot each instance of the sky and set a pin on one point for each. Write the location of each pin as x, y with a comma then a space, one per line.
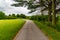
5, 6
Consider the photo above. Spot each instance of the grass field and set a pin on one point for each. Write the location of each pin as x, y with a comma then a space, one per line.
52, 33
9, 28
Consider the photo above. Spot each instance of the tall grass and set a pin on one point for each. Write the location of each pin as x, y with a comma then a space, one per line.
52, 33
9, 28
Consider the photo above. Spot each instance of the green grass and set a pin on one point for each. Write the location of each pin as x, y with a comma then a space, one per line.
9, 28
49, 31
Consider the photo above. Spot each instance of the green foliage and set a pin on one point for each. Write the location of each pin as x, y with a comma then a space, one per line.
52, 33
9, 28
18, 15
39, 18
13, 16
10, 17
57, 27
9, 14
2, 15
22, 16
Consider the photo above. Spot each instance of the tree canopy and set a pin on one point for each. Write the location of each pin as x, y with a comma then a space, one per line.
2, 15
49, 5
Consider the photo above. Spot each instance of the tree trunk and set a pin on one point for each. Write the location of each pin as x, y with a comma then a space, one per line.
49, 13
42, 12
53, 13
49, 16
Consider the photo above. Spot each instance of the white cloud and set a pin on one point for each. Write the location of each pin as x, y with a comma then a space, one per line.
5, 6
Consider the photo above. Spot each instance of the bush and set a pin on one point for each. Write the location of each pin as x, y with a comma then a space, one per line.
39, 17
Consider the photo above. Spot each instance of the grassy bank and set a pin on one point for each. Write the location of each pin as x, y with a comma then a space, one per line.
52, 33
9, 28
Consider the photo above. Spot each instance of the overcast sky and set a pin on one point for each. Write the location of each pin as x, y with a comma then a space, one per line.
5, 6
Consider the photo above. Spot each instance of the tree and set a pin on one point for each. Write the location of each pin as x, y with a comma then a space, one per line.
18, 15
2, 15
47, 4
13, 15
9, 14
53, 12
50, 9
22, 16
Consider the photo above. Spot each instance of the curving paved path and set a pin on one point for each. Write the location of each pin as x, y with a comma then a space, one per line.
30, 32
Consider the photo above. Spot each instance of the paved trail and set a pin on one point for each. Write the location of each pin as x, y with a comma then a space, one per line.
30, 32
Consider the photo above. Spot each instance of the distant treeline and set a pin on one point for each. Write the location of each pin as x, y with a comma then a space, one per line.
11, 16
42, 18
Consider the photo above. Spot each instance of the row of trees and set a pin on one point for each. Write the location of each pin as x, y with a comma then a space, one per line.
49, 5
13, 16
16, 16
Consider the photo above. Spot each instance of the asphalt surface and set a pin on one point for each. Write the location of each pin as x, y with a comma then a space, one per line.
30, 32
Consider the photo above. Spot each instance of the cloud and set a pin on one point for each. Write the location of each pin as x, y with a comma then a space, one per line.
5, 6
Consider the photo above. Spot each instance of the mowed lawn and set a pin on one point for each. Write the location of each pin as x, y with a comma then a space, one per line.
9, 28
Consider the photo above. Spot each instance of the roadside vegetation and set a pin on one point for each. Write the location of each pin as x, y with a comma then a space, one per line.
49, 23
10, 25
9, 28
52, 33
11, 16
